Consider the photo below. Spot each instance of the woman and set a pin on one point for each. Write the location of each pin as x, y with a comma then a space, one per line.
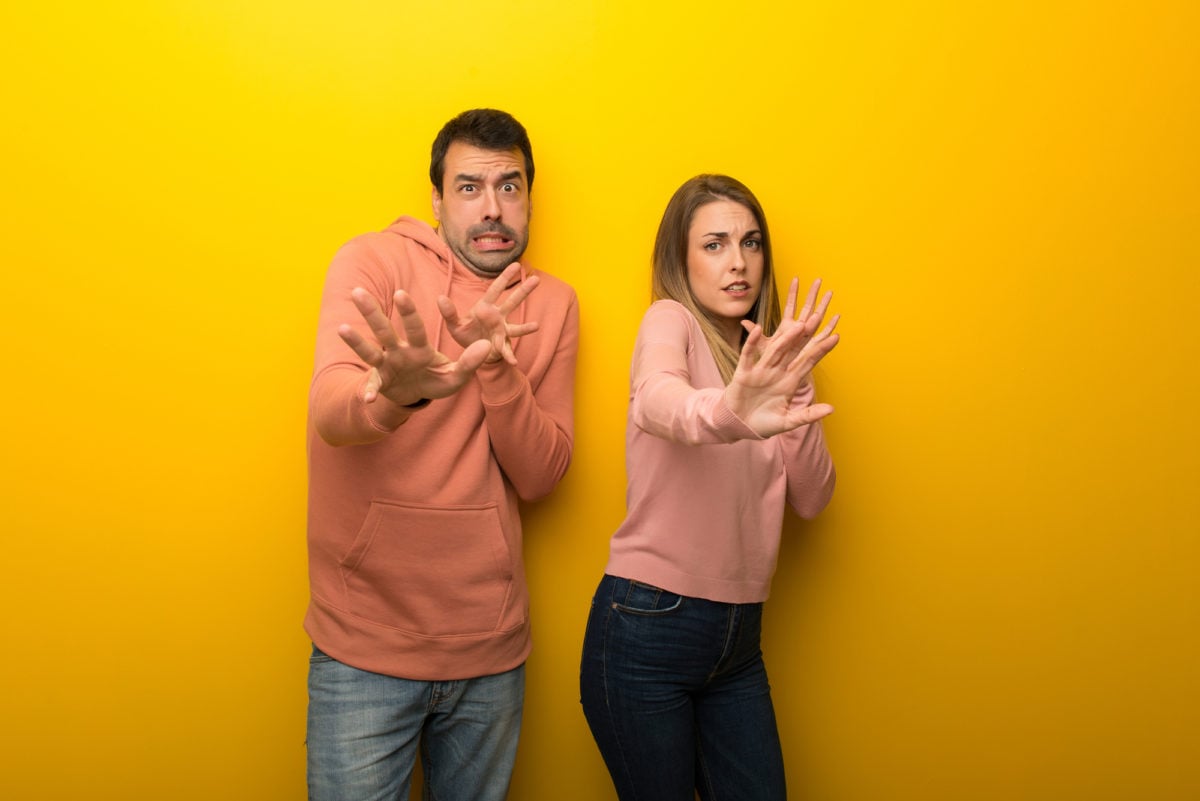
722, 432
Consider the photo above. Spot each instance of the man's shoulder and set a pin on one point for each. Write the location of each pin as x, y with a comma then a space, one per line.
400, 235
552, 288
389, 247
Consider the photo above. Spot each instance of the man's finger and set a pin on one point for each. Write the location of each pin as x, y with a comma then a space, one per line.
522, 329
501, 283
449, 311
375, 317
473, 357
365, 350
519, 294
414, 326
371, 387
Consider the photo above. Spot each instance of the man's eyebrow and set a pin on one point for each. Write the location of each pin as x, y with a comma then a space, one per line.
463, 177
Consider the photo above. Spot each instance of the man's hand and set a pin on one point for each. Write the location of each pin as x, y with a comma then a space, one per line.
487, 320
404, 368
771, 370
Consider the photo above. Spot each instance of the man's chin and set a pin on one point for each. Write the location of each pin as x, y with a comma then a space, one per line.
491, 264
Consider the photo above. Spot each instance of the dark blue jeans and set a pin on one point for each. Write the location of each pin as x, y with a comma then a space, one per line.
676, 694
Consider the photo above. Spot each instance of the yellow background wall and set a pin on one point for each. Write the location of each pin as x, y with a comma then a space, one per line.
1000, 603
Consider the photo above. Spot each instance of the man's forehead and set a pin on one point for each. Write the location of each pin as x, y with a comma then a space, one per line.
463, 158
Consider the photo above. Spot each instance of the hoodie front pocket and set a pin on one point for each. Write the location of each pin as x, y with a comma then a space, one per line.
432, 571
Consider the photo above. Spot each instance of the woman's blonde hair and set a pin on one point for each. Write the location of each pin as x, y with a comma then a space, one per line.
669, 279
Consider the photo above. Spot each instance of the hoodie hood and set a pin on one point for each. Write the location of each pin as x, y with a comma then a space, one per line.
427, 237
455, 272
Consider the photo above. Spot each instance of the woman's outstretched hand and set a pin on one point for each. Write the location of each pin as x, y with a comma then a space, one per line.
771, 370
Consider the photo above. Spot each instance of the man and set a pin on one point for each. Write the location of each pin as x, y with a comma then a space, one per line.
442, 394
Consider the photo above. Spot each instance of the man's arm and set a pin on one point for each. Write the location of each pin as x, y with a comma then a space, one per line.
359, 400
531, 427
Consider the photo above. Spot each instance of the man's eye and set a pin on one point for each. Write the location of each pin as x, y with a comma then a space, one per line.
510, 188
468, 188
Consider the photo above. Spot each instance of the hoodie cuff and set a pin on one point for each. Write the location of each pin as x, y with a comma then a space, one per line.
499, 382
385, 415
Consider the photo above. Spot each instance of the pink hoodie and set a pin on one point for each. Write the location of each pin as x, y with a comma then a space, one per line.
414, 536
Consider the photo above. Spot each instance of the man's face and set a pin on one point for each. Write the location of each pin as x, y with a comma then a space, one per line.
483, 211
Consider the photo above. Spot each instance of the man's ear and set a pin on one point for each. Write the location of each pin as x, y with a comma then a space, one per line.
436, 200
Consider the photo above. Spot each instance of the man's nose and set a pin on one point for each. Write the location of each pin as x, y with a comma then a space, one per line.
491, 205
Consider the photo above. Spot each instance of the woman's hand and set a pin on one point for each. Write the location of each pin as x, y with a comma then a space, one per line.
771, 370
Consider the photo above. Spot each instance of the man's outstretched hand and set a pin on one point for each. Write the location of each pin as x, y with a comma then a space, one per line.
405, 369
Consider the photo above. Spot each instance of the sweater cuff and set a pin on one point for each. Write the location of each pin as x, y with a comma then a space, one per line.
731, 427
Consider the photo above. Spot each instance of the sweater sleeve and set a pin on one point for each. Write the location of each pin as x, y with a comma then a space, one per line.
336, 405
664, 400
531, 425
810, 473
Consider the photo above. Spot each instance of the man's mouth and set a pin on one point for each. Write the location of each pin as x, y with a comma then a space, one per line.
493, 239
492, 243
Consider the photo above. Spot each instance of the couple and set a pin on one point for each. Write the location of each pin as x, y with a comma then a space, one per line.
442, 395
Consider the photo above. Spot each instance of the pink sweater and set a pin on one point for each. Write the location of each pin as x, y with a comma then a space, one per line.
705, 496
414, 535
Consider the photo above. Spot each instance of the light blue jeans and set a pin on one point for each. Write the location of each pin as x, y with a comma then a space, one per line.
364, 731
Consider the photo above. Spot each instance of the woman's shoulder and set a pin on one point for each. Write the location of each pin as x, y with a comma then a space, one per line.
668, 311
669, 321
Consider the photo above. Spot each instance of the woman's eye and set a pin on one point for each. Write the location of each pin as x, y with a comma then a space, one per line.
712, 246
752, 244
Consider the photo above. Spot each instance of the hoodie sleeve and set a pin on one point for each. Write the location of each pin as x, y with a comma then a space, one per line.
530, 422
336, 405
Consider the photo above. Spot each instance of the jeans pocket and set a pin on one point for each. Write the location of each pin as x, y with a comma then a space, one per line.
639, 598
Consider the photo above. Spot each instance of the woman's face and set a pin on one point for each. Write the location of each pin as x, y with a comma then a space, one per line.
725, 263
